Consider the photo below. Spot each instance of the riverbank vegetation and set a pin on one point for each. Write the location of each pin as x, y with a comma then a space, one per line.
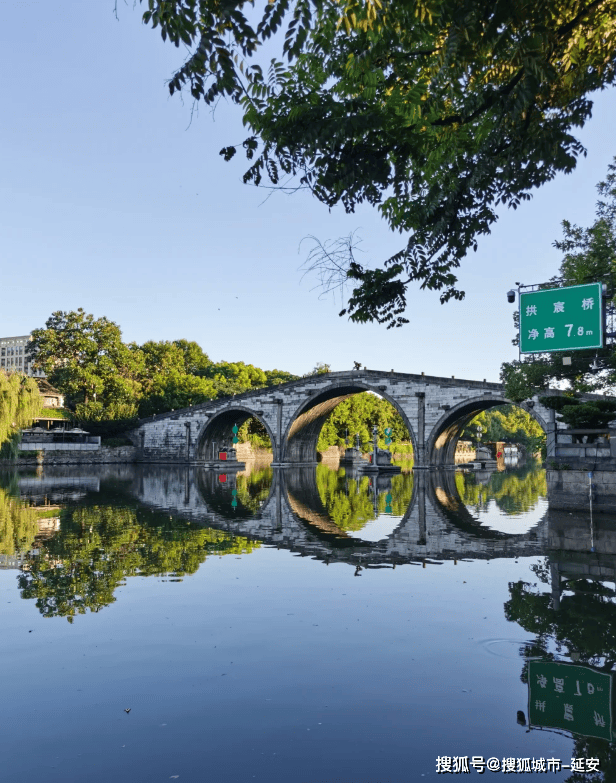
108, 384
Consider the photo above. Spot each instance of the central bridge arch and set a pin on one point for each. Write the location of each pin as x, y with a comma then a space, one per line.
300, 439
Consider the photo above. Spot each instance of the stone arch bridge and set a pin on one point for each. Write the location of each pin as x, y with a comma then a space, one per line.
434, 409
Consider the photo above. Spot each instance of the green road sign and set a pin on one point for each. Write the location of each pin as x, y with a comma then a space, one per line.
235, 429
561, 319
234, 503
569, 697
236, 439
388, 431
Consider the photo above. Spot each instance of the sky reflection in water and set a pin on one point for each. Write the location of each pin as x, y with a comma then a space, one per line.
306, 634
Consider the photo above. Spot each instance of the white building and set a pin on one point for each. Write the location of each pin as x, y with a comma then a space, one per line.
13, 356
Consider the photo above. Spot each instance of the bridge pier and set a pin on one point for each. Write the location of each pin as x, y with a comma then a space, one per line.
420, 430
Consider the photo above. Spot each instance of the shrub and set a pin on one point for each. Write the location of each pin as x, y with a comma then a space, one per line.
115, 443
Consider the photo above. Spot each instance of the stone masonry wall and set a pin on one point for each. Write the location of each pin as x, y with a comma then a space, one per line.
104, 455
570, 490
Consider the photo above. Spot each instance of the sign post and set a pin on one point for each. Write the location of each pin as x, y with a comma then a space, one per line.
569, 697
561, 319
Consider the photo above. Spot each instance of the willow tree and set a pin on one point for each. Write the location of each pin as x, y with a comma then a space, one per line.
20, 404
433, 111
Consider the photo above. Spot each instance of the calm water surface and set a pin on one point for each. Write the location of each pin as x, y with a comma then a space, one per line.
310, 625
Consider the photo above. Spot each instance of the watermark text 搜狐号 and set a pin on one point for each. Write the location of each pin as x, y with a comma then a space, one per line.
462, 764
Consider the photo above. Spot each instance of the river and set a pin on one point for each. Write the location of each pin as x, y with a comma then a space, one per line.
310, 625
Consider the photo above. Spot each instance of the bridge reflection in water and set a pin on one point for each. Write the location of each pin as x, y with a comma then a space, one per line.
328, 515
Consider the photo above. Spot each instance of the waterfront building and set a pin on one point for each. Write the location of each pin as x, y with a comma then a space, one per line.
13, 357
52, 398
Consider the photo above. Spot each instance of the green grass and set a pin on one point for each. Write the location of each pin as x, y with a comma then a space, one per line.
55, 413
50, 514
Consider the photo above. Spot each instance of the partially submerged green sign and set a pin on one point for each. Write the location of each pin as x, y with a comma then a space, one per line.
570, 697
561, 319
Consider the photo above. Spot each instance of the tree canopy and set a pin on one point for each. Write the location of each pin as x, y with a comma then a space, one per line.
433, 111
85, 357
106, 380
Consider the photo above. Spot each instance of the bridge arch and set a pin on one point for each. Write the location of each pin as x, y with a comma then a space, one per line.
218, 430
299, 443
442, 441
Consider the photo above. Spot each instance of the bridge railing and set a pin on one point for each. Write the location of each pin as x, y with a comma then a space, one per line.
585, 443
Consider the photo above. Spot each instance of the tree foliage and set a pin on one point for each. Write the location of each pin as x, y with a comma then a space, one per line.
433, 111
86, 359
321, 368
106, 380
356, 416
595, 414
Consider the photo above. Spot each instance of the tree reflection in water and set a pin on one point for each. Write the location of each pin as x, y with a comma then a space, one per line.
582, 628
253, 487
99, 544
18, 524
514, 491
97, 547
349, 498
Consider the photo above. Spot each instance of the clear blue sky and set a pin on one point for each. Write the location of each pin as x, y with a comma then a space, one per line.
112, 200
